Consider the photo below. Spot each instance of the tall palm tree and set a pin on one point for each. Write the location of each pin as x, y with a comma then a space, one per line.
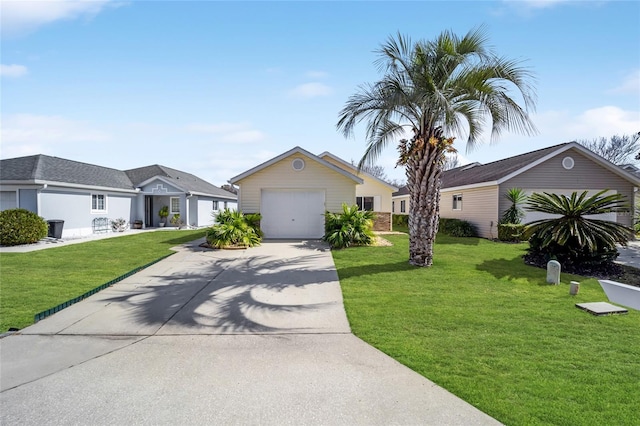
436, 89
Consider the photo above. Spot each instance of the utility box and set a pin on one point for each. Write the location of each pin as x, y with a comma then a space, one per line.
55, 228
553, 272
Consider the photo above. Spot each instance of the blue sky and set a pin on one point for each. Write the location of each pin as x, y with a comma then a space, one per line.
215, 88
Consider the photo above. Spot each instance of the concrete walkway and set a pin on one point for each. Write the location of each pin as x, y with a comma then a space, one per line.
630, 255
255, 336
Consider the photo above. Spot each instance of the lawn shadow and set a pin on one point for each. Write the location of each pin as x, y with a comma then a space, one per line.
512, 269
371, 269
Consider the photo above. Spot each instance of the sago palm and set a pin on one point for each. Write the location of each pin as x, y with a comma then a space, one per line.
436, 90
573, 236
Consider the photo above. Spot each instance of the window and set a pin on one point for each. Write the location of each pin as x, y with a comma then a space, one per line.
393, 207
403, 206
215, 205
98, 203
457, 202
365, 203
175, 205
225, 205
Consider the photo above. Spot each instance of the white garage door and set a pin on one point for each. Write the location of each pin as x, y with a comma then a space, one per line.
292, 214
8, 200
532, 216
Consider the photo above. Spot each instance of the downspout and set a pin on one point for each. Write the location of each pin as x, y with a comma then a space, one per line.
186, 209
38, 204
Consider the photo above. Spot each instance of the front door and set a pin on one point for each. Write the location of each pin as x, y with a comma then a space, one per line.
148, 211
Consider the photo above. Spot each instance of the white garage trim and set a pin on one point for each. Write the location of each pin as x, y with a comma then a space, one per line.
292, 213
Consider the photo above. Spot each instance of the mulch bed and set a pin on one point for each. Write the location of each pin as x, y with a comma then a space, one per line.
611, 271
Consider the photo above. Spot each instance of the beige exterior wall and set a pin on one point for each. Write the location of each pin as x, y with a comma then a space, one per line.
369, 188
585, 175
281, 175
397, 203
479, 206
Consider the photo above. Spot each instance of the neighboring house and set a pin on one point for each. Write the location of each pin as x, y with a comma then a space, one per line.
293, 191
400, 201
476, 192
78, 193
373, 194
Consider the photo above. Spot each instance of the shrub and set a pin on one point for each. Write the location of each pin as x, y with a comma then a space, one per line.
573, 239
513, 232
20, 226
234, 229
456, 227
118, 225
176, 221
351, 227
514, 214
400, 219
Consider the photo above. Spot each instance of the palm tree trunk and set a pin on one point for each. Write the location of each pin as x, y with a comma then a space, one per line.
424, 170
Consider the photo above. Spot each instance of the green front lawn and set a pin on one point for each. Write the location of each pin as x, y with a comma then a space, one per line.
35, 281
489, 329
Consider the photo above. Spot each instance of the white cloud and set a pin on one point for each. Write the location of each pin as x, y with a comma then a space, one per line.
311, 90
12, 70
20, 17
630, 84
26, 134
317, 74
228, 132
541, 4
538, 4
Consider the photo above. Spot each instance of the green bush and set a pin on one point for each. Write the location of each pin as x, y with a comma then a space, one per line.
573, 238
400, 219
351, 227
20, 226
513, 232
234, 229
456, 227
514, 213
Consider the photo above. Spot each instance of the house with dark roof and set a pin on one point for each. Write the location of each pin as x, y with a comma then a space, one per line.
78, 193
477, 192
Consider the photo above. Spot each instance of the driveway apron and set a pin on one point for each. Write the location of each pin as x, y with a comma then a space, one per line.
256, 336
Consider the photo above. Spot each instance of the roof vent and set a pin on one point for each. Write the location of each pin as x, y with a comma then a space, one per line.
568, 163
297, 164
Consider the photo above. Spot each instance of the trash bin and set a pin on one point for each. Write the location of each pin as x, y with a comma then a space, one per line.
55, 228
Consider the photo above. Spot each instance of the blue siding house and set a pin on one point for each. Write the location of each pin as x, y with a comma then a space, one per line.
78, 193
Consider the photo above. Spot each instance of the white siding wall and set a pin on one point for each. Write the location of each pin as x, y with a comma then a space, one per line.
479, 206
398, 203
585, 175
338, 188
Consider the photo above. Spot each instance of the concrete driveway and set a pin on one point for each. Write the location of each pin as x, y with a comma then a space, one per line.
256, 336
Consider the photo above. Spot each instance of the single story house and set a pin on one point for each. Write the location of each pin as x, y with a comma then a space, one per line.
476, 192
79, 193
374, 194
293, 190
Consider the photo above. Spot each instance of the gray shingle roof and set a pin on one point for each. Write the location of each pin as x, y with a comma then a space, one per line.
494, 171
403, 190
185, 181
54, 169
